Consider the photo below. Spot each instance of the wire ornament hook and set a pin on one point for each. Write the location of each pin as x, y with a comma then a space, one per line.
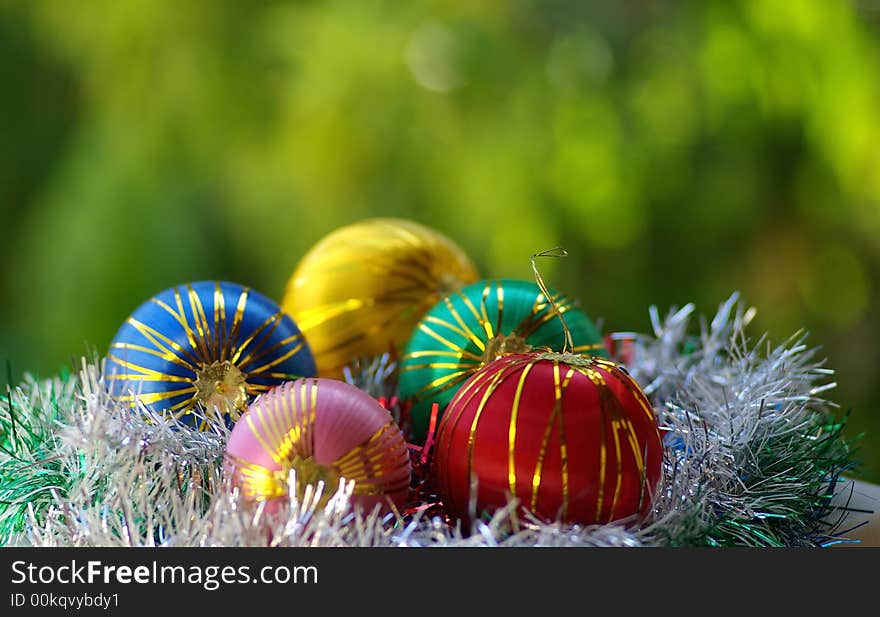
557, 251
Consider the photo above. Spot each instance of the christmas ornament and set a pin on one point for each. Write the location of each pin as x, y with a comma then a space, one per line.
361, 290
471, 328
203, 351
323, 430
571, 437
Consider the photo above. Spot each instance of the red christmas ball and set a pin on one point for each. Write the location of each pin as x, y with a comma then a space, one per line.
572, 437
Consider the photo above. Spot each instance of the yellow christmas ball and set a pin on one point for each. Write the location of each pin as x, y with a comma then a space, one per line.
361, 290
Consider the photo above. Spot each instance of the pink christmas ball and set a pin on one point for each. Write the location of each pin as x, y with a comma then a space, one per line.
324, 430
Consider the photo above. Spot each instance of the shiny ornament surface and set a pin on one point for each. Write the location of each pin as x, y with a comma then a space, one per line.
207, 346
478, 324
323, 430
571, 437
361, 290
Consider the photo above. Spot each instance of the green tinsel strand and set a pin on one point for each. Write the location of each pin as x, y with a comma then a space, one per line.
30, 466
805, 468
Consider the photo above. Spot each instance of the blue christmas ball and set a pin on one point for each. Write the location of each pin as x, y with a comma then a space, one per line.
209, 346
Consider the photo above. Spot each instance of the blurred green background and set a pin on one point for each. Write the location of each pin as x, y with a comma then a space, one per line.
680, 151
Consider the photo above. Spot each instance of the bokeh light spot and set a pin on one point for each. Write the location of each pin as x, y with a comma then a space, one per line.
431, 57
577, 60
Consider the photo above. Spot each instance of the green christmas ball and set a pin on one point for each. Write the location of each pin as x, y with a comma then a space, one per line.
474, 326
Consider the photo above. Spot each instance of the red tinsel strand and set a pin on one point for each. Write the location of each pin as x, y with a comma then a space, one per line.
423, 498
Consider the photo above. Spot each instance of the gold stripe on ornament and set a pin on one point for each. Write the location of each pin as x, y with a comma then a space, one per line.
542, 453
155, 337
464, 396
195, 305
603, 465
632, 439
254, 389
212, 334
258, 482
213, 330
284, 437
156, 377
462, 331
238, 318
497, 378
368, 462
311, 318
474, 312
535, 319
283, 410
649, 412
472, 385
286, 433
471, 335
178, 410
422, 354
559, 389
365, 445
167, 356
262, 427
282, 358
451, 365
463, 327
445, 341
613, 412
563, 444
634, 445
441, 384
294, 435
220, 319
313, 407
258, 352
615, 428
362, 464
289, 436
452, 418
601, 385
268, 326
182, 321
256, 411
278, 432
146, 374
550, 315
511, 432
484, 313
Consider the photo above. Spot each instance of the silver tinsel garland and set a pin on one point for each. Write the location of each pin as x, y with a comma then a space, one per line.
754, 457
